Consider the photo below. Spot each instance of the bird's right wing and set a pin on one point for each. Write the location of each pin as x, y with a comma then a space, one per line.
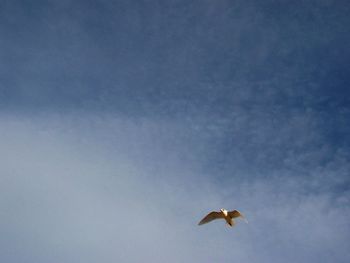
210, 217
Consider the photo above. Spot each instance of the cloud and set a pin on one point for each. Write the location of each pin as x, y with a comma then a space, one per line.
100, 188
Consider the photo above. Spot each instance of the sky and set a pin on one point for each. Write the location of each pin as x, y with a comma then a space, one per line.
122, 123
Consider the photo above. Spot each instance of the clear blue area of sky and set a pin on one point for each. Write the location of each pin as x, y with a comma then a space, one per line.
197, 60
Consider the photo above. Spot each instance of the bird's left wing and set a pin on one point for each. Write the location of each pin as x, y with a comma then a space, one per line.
210, 217
234, 214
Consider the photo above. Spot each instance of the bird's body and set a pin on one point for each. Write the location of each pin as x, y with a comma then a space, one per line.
224, 214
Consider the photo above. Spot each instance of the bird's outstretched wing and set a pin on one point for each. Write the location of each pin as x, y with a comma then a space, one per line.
234, 214
210, 217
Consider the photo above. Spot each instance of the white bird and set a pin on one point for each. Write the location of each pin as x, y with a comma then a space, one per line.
227, 215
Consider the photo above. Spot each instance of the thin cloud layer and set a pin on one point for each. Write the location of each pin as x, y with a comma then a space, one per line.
69, 194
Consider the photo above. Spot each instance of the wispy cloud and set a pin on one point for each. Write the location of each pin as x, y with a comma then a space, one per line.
106, 189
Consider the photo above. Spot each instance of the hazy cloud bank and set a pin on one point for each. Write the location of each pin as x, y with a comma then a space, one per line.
106, 189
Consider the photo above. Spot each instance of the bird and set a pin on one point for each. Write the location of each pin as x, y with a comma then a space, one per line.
224, 214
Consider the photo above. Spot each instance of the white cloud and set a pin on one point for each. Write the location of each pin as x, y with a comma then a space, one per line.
97, 188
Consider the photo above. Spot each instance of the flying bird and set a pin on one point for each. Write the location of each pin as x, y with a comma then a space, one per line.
224, 214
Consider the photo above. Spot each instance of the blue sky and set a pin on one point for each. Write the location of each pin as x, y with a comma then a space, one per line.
123, 122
